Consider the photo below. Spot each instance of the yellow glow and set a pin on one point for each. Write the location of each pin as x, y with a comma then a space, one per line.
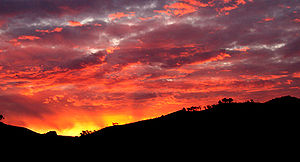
78, 128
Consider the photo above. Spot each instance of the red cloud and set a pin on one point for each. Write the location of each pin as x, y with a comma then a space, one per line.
2, 22
145, 18
268, 19
297, 20
296, 75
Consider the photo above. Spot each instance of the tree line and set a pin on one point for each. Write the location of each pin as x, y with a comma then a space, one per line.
206, 107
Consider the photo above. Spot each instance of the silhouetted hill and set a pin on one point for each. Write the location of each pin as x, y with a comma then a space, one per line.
262, 124
14, 135
225, 123
9, 130
284, 100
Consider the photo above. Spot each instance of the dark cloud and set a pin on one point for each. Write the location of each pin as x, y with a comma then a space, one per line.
84, 61
18, 105
142, 95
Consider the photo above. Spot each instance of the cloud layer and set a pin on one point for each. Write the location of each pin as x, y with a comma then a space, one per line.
74, 65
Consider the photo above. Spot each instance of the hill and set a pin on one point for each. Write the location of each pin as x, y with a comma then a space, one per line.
284, 100
14, 135
223, 124
248, 122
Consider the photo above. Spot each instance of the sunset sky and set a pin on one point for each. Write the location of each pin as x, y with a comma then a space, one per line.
73, 65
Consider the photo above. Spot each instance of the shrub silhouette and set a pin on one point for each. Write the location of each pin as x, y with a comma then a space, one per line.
86, 132
193, 108
51, 133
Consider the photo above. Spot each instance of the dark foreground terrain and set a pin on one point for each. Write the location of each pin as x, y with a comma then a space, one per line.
272, 123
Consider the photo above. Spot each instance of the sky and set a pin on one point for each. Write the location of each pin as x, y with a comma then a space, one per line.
73, 65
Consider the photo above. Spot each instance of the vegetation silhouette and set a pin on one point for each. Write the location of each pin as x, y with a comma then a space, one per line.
225, 100
224, 124
1, 117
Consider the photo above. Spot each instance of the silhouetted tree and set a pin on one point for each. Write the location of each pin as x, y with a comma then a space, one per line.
194, 108
220, 102
225, 100
1, 117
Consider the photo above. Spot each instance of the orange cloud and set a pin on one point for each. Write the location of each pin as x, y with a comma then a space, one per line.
189, 6
97, 24
241, 2
28, 37
238, 2
181, 8
48, 31
16, 42
221, 56
198, 3
167, 12
57, 30
225, 10
244, 49
177, 9
74, 23
42, 31
263, 77
110, 50
228, 8
119, 15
